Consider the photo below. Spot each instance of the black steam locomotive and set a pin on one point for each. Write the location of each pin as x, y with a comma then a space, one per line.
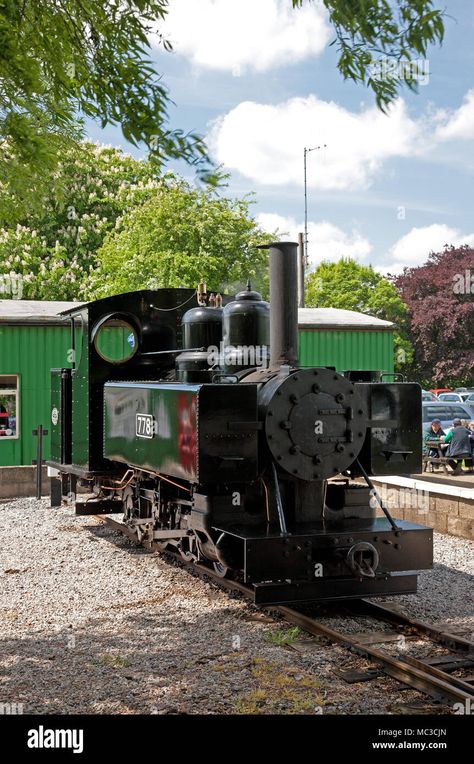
189, 414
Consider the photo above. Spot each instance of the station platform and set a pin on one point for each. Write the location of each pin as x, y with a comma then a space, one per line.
443, 502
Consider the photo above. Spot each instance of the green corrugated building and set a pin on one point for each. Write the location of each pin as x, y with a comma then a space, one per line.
34, 339
344, 339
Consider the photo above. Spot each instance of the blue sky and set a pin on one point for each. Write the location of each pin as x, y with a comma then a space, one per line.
260, 81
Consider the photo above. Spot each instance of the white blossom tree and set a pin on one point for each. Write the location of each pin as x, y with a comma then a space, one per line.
54, 249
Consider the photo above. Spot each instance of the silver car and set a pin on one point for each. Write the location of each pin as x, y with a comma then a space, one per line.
451, 397
446, 412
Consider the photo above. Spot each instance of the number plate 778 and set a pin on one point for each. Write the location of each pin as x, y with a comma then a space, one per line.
145, 426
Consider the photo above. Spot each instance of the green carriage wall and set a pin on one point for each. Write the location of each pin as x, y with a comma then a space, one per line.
362, 349
30, 351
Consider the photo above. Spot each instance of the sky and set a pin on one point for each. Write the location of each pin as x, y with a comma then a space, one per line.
259, 80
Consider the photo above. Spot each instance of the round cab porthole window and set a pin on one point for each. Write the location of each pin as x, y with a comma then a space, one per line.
116, 341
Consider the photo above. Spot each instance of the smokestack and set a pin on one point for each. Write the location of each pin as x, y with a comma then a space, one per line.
283, 303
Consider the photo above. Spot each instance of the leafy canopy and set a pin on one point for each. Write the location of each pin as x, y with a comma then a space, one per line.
165, 231
440, 299
64, 60
180, 236
380, 42
61, 60
350, 286
53, 249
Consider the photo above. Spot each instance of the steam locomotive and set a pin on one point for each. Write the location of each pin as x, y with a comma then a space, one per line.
189, 414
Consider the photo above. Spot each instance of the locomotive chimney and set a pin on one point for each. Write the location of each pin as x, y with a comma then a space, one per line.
283, 303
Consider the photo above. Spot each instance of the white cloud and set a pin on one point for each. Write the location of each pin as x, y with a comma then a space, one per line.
265, 142
458, 124
325, 240
239, 35
413, 248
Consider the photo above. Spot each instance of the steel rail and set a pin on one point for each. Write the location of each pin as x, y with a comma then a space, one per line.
411, 671
414, 673
447, 638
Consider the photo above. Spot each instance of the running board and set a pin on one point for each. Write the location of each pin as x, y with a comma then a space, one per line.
333, 589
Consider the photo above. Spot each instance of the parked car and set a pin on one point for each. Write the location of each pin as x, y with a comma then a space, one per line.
465, 392
438, 390
469, 402
427, 396
446, 412
451, 397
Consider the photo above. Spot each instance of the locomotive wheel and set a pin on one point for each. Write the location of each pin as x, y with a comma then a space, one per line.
186, 548
220, 569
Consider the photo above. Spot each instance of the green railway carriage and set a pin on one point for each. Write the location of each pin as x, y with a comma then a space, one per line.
34, 339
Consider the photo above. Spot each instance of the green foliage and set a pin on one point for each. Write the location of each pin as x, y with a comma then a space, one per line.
158, 231
283, 637
65, 60
178, 237
439, 296
380, 42
53, 249
112, 661
348, 285
61, 60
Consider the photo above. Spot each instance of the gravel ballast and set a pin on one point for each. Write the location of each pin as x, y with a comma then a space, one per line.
93, 623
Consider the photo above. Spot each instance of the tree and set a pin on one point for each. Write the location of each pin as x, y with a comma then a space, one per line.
62, 60
348, 285
379, 41
180, 236
440, 299
54, 248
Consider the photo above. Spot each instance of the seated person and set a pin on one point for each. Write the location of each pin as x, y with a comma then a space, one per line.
459, 447
471, 436
434, 432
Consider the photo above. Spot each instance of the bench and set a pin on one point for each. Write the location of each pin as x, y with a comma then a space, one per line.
430, 461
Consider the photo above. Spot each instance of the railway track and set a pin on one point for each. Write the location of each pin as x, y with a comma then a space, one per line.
419, 674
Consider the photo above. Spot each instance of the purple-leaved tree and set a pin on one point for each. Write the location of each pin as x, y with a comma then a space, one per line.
440, 299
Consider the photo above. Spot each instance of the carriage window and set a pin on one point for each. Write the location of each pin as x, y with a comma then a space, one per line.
8, 406
116, 341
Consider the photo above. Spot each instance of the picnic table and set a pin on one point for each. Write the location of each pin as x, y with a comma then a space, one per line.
429, 461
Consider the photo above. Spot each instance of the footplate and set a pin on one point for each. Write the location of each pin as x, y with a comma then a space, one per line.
365, 554
281, 593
